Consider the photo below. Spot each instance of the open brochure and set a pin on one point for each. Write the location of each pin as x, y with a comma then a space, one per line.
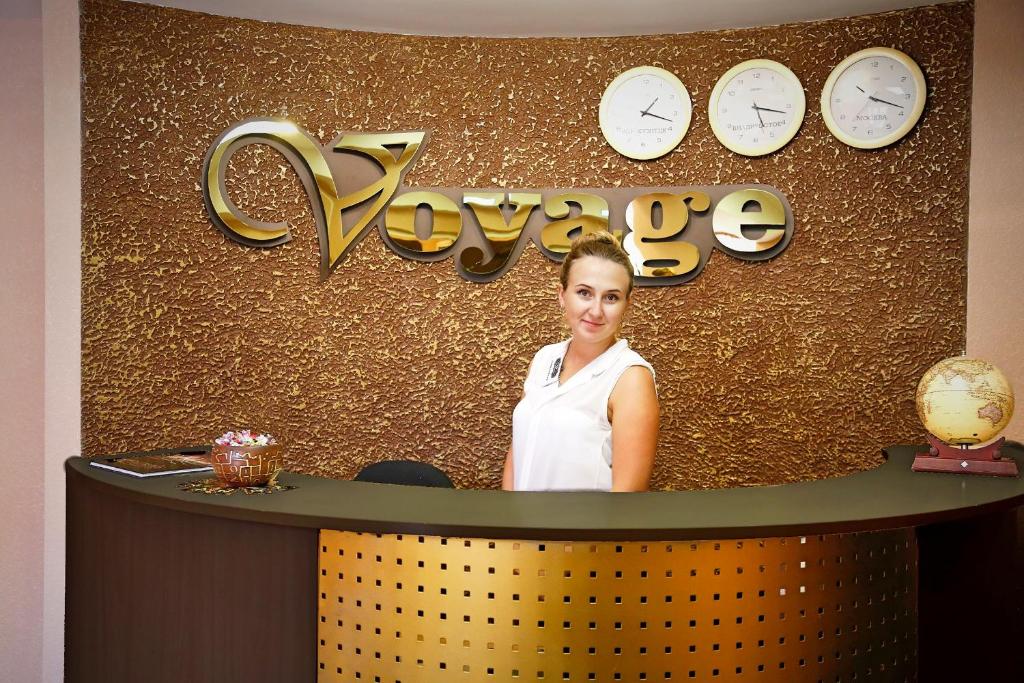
156, 465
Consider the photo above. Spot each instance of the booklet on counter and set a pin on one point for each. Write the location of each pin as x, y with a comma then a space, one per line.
156, 465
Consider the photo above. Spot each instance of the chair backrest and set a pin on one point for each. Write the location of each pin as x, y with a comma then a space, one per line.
406, 472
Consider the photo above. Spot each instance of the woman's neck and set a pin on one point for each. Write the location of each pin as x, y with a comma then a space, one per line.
582, 353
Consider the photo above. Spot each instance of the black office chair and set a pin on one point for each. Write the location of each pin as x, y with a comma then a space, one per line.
405, 472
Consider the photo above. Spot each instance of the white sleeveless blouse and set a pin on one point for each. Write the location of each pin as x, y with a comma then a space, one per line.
561, 437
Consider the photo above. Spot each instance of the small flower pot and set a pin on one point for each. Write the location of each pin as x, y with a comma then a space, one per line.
246, 465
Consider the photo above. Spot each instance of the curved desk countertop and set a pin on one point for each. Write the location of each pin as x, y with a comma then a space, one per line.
890, 496
351, 581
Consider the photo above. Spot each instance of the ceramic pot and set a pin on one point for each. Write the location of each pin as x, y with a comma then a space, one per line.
246, 465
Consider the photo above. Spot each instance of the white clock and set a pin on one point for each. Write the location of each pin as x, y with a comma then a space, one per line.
645, 112
873, 97
756, 107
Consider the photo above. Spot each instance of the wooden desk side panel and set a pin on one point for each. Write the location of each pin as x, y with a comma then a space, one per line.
166, 597
972, 598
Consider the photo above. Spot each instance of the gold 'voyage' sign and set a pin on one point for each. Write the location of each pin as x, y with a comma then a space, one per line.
669, 232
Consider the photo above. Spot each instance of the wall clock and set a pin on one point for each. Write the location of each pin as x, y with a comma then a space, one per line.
756, 107
645, 112
873, 97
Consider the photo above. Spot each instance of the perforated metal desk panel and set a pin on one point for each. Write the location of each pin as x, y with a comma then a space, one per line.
807, 581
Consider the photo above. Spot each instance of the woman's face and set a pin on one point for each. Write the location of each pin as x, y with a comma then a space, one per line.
595, 301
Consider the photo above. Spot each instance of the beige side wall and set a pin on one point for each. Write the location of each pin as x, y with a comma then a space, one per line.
62, 159
40, 361
995, 304
22, 269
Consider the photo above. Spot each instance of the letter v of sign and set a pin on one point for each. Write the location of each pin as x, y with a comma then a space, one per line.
318, 179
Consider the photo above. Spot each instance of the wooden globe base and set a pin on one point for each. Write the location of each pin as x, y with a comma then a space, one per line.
942, 457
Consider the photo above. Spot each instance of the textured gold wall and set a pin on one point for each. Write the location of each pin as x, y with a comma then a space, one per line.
802, 367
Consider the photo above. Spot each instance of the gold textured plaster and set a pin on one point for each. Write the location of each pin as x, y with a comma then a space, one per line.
800, 367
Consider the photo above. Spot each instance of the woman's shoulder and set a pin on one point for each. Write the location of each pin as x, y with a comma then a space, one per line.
631, 381
629, 357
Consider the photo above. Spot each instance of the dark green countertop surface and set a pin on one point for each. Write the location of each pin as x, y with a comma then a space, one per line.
889, 496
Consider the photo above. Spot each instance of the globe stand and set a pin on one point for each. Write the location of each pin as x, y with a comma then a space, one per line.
942, 457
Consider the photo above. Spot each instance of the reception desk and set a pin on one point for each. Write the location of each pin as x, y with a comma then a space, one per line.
885, 574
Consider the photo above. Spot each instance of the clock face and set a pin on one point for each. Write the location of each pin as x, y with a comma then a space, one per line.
873, 98
757, 107
645, 112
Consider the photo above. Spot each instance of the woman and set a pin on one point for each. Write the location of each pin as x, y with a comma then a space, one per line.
588, 419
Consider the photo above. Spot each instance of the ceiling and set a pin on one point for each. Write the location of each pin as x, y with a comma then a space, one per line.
531, 18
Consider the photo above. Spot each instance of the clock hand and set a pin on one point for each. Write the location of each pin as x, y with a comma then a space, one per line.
645, 111
777, 111
757, 110
875, 99
893, 104
658, 117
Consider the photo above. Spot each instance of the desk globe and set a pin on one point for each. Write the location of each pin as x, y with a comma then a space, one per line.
961, 402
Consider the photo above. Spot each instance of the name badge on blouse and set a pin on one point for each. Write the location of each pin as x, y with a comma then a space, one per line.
553, 370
